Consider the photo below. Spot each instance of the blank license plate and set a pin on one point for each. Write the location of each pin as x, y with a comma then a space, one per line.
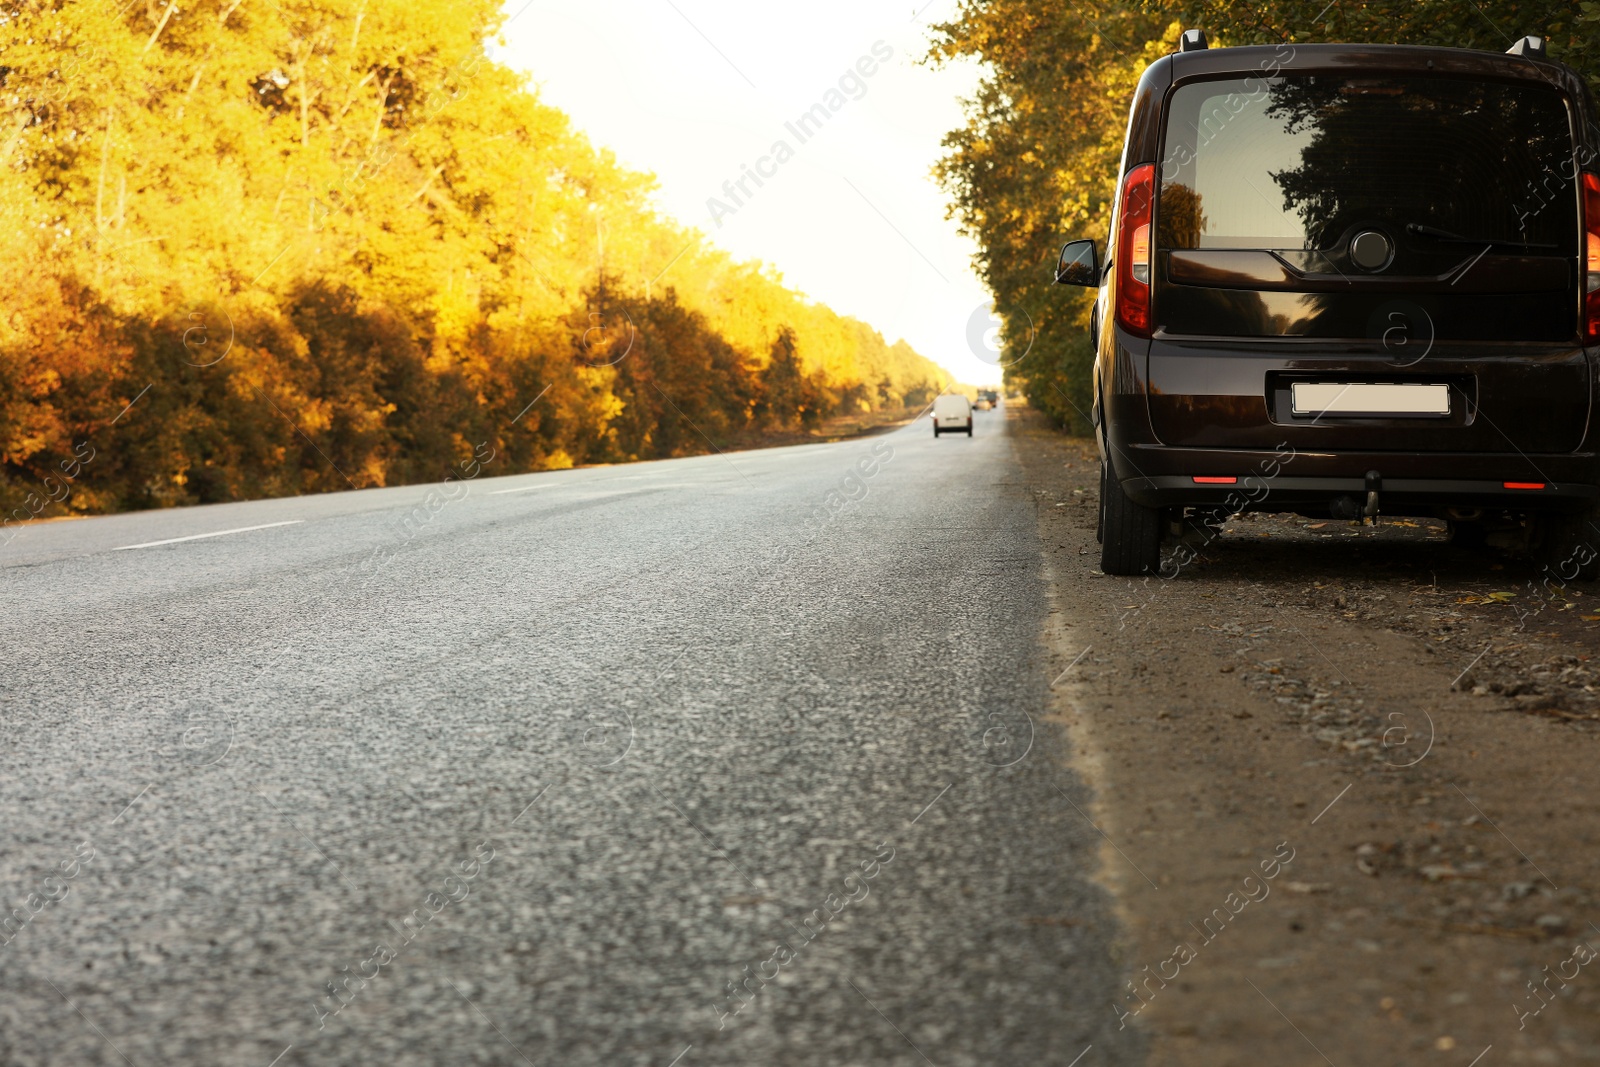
1353, 398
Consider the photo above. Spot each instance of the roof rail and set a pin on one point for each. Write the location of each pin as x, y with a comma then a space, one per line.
1530, 47
1195, 41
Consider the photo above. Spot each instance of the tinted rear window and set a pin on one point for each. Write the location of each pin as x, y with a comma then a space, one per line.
1300, 162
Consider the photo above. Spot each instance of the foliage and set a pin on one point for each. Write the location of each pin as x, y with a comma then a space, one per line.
1038, 159
1571, 29
331, 244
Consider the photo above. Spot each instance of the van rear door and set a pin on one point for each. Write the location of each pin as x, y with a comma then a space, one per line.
1354, 230
952, 411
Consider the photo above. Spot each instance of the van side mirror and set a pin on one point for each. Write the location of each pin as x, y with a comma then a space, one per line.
1079, 265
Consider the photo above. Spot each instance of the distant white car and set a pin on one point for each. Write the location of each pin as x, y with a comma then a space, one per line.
952, 413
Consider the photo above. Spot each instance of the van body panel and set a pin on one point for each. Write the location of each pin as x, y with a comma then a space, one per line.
1120, 357
1269, 60
1227, 392
1282, 479
1143, 141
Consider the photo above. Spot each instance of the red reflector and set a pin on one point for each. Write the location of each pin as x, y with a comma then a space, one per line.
1230, 480
1524, 485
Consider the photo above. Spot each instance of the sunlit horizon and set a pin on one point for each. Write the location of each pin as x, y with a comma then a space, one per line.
803, 139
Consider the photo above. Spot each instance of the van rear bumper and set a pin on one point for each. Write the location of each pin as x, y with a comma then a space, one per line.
1410, 483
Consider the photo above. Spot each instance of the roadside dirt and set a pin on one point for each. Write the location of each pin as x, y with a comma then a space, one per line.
1416, 724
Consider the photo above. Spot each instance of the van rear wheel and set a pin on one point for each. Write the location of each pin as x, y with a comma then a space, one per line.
1567, 547
1100, 509
1131, 532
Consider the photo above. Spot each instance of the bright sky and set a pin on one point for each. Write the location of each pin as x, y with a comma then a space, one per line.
694, 91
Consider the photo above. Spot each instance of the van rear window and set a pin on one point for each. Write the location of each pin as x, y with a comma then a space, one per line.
1300, 162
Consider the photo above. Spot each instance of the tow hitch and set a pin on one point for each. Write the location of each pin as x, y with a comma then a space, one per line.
1374, 485
1349, 506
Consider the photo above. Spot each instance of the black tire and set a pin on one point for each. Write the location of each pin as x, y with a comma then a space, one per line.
1100, 509
969, 429
936, 429
1567, 547
1131, 533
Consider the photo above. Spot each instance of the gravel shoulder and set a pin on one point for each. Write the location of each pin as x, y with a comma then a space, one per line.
1414, 724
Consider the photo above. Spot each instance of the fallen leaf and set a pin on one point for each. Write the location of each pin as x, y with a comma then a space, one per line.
1501, 597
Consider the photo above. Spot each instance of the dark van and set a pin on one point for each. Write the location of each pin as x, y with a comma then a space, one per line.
1346, 280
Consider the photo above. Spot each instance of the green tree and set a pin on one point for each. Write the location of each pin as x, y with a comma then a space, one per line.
1036, 164
1571, 28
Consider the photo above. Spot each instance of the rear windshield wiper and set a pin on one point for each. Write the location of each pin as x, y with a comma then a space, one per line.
1456, 238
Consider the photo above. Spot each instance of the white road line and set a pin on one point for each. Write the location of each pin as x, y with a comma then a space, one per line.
197, 537
600, 485
523, 489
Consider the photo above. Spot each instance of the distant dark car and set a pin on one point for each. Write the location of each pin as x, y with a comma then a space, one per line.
1351, 280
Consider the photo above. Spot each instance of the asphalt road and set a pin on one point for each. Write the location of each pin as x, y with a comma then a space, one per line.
726, 760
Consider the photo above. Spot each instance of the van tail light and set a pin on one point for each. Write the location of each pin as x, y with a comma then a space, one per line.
1133, 249
1591, 261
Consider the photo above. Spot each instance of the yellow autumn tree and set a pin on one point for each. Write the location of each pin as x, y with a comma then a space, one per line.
257, 249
